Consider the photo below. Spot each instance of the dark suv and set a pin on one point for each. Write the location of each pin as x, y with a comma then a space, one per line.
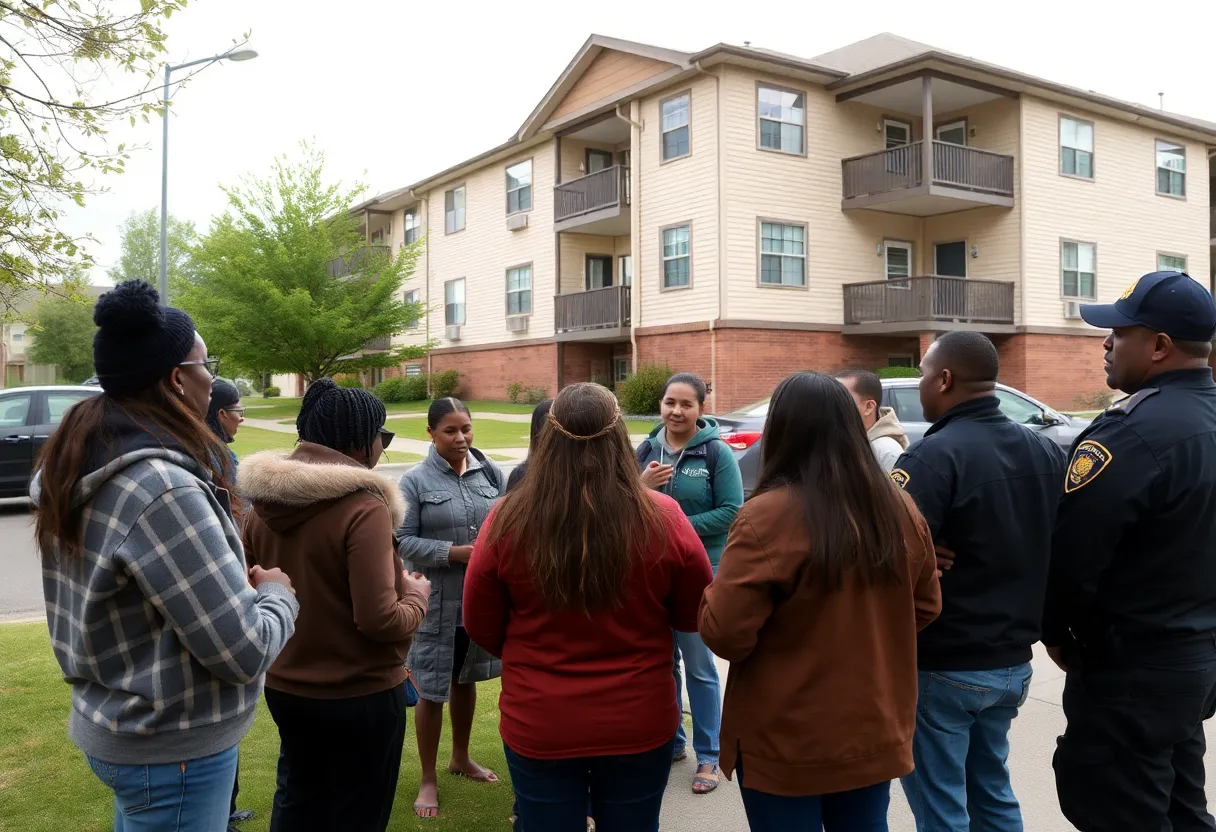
741, 430
27, 417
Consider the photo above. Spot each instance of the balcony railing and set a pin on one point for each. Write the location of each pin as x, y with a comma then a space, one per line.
356, 259
382, 344
607, 308
929, 298
954, 166
595, 191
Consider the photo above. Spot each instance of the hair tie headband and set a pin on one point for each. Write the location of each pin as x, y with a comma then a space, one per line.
604, 431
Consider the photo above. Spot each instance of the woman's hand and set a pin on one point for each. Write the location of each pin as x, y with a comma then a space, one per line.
259, 576
656, 475
416, 582
460, 554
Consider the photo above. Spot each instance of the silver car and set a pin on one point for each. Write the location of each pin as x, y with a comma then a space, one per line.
742, 429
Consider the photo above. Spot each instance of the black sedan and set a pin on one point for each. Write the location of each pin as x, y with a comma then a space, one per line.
27, 417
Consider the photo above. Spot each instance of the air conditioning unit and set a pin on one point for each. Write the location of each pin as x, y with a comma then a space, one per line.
1072, 310
517, 221
518, 323
452, 333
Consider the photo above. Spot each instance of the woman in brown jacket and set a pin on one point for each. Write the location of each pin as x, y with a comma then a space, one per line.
827, 576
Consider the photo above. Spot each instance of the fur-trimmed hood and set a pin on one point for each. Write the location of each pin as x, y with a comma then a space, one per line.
284, 486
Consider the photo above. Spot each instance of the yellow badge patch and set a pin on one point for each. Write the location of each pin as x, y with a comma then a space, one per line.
1089, 460
900, 477
1127, 293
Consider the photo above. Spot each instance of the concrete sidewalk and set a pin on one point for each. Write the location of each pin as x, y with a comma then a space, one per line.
1033, 741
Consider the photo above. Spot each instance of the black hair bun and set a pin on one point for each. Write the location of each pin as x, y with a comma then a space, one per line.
132, 305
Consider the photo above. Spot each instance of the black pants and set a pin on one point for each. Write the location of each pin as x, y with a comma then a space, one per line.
1131, 757
338, 761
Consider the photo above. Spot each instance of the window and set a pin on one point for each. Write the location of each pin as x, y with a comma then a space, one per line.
625, 269
14, 410
377, 376
413, 370
673, 133
453, 210
900, 361
953, 133
413, 296
1076, 148
782, 254
413, 226
378, 238
898, 261
598, 271
897, 133
782, 116
519, 290
519, 187
18, 337
620, 369
1171, 263
453, 302
597, 160
677, 257
1022, 411
1077, 270
58, 404
1171, 169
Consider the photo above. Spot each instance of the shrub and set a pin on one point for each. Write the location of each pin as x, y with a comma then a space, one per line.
641, 393
514, 391
271, 392
349, 382
243, 388
414, 388
444, 384
535, 395
897, 372
391, 391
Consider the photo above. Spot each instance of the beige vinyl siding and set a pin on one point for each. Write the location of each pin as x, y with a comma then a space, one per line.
1119, 210
575, 248
413, 337
680, 192
574, 156
483, 251
609, 73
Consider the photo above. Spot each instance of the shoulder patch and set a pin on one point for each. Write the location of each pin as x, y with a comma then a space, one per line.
900, 477
1088, 461
1130, 403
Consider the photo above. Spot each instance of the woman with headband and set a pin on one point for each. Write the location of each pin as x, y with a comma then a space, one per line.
577, 581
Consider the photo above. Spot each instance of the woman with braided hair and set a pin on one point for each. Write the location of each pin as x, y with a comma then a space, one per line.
337, 694
577, 582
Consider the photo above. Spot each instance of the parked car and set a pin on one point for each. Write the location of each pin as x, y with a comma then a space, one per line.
741, 430
27, 417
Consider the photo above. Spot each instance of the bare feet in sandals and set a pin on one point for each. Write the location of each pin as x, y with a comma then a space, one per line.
426, 806
468, 768
705, 780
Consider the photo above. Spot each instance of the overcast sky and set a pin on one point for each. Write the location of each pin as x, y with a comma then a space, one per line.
394, 91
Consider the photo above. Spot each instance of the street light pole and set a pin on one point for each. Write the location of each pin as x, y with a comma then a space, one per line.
237, 55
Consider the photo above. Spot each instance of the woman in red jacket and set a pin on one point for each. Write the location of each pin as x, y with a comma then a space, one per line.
576, 581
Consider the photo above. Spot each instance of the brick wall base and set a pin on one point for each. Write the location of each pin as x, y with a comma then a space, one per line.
486, 374
1064, 371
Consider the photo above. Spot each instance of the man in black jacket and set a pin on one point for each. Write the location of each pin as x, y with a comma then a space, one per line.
988, 488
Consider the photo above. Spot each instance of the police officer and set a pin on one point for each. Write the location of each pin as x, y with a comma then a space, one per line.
1131, 604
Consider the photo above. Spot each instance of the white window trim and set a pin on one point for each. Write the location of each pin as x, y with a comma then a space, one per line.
762, 254
625, 274
1185, 261
663, 258
464, 218
1093, 153
1157, 167
510, 291
510, 190
957, 124
760, 119
464, 304
887, 245
1094, 273
686, 126
415, 227
417, 299
887, 122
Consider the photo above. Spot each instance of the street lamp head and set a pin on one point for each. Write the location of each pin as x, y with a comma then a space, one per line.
242, 55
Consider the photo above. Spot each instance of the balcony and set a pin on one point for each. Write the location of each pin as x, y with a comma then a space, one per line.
594, 315
597, 203
355, 260
929, 302
382, 344
892, 180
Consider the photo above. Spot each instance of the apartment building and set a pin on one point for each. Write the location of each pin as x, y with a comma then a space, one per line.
742, 213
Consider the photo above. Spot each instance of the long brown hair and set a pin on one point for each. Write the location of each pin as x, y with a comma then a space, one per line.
85, 430
581, 515
815, 443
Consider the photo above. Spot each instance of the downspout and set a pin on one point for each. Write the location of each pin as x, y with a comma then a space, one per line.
426, 253
635, 230
1020, 161
716, 320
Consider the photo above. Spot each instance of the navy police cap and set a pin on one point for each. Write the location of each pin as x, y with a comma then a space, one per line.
1168, 302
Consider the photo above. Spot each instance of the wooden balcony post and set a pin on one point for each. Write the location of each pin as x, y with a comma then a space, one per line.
926, 145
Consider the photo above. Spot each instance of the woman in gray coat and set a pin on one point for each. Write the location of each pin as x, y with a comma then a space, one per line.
447, 499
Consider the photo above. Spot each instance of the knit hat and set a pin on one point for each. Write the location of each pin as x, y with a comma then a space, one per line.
138, 342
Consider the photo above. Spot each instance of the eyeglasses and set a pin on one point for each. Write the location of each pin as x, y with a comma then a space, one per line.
386, 437
235, 411
212, 365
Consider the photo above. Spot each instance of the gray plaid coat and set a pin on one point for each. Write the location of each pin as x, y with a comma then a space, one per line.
443, 510
155, 626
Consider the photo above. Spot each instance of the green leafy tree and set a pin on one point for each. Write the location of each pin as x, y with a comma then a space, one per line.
63, 335
140, 256
57, 60
283, 283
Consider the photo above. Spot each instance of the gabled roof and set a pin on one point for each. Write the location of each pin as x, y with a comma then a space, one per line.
872, 53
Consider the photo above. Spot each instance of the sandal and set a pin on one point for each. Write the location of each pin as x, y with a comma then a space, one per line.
704, 782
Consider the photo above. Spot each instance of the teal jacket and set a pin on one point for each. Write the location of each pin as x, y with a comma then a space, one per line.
710, 512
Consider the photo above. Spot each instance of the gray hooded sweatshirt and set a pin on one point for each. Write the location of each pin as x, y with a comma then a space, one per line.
887, 439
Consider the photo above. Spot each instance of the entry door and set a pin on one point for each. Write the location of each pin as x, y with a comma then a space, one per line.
950, 296
599, 271
598, 160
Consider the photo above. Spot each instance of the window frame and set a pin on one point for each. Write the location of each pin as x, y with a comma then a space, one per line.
453, 190
417, 227
1093, 152
406, 299
506, 172
413, 370
955, 123
509, 291
27, 419
463, 304
805, 100
687, 93
663, 259
889, 121
625, 275
1078, 297
887, 244
617, 362
1157, 142
760, 253
1186, 261
588, 152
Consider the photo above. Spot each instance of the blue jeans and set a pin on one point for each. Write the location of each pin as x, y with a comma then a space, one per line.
626, 791
704, 696
189, 796
961, 782
858, 810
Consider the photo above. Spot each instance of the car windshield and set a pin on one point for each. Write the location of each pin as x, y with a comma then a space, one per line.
757, 409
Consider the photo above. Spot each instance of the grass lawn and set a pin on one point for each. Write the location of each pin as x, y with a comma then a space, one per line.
490, 433
251, 440
46, 785
282, 409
